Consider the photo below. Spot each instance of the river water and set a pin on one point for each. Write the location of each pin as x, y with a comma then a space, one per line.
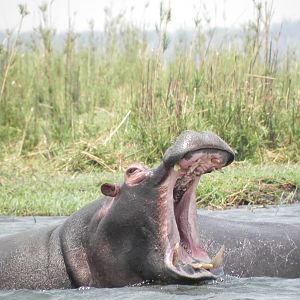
225, 288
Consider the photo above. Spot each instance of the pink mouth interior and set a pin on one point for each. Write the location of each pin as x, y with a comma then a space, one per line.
183, 241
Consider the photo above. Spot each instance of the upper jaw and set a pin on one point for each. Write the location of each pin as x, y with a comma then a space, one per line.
185, 258
189, 141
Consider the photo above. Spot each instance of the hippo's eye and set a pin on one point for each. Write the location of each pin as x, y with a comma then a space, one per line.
132, 170
135, 174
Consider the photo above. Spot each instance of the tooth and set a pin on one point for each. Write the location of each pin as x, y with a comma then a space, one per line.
215, 161
175, 254
202, 266
177, 167
217, 260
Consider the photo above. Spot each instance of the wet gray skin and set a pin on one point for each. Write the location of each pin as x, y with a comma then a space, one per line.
142, 230
253, 249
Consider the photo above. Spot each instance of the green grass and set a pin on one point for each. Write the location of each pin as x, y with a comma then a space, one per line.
49, 194
85, 111
246, 184
55, 193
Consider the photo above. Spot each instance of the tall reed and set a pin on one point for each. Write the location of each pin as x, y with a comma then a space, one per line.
118, 97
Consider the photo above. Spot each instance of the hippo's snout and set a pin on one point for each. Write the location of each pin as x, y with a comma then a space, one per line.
192, 155
190, 141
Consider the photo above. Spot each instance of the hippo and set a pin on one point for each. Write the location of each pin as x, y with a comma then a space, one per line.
143, 230
147, 230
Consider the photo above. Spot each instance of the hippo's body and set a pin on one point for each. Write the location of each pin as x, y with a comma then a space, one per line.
33, 260
253, 249
51, 257
147, 230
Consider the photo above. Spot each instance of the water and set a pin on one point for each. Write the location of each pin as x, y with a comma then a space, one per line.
287, 214
225, 288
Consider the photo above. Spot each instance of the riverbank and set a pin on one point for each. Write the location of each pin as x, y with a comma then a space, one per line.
42, 190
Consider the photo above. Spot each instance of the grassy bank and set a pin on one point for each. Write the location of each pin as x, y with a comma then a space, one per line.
36, 192
117, 97
85, 110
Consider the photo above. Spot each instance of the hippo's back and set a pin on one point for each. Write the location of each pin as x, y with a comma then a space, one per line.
32, 260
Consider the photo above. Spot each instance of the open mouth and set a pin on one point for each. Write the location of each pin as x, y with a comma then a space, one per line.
185, 257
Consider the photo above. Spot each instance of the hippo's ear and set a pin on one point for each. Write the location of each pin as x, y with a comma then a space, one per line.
110, 190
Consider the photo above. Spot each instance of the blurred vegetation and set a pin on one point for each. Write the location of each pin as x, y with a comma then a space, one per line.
115, 99
36, 190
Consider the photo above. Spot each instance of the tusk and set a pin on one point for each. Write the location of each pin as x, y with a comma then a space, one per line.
215, 161
217, 260
202, 266
175, 254
176, 167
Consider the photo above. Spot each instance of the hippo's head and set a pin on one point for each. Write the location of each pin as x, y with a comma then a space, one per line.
147, 228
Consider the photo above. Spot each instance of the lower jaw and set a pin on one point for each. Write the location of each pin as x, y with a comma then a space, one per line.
188, 269
186, 274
